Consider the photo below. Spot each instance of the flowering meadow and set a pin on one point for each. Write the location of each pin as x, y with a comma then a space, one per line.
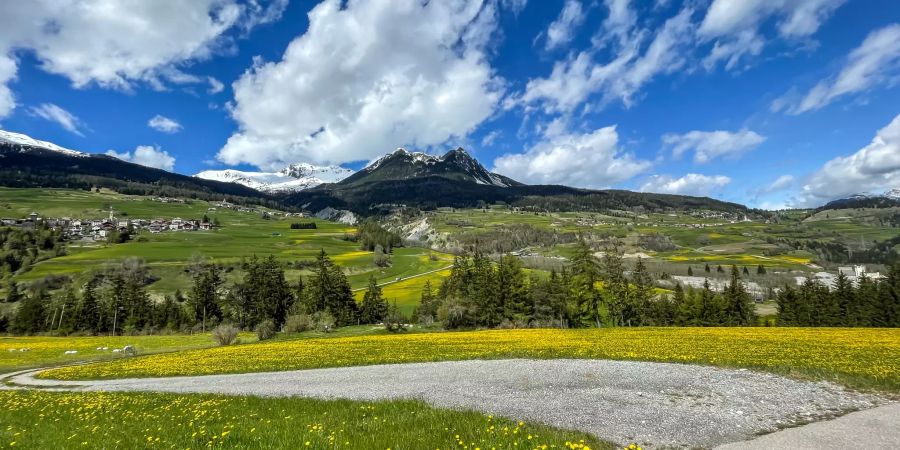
39, 351
864, 358
45, 420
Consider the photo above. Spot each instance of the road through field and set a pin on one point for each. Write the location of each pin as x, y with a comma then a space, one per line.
386, 283
655, 404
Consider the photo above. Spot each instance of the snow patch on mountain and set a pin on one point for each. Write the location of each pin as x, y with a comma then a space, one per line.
9, 137
295, 177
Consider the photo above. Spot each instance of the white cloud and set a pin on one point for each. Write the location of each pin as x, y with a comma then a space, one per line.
7, 74
709, 145
875, 167
215, 86
116, 43
583, 160
409, 73
63, 118
574, 80
876, 62
491, 137
735, 25
560, 31
164, 124
146, 155
690, 184
781, 183
516, 6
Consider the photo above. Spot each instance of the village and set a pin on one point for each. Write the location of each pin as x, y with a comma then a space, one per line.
102, 229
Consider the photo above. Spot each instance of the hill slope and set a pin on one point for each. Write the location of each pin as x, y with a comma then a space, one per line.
27, 162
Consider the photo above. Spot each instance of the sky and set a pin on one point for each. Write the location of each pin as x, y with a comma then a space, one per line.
769, 103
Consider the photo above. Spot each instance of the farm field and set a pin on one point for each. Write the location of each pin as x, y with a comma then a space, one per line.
862, 358
168, 254
40, 419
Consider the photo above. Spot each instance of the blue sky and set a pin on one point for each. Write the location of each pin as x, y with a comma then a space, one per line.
770, 103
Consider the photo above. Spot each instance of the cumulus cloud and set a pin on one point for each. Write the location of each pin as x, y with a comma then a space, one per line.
709, 145
875, 167
561, 30
691, 184
876, 62
146, 155
164, 124
114, 44
408, 73
636, 63
734, 25
63, 118
584, 160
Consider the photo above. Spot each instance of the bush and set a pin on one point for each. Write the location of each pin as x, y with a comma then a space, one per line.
265, 330
299, 323
394, 320
324, 321
225, 334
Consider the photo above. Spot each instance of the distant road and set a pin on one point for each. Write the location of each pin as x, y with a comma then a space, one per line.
406, 278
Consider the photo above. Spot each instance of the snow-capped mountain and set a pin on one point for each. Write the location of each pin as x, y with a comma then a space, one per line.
890, 198
455, 164
295, 177
18, 139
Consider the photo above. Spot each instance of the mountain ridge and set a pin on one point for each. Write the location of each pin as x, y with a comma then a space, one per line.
294, 177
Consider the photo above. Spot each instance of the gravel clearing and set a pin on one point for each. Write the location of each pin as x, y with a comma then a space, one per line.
655, 404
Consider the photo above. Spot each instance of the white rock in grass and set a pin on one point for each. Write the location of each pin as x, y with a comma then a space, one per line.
71, 352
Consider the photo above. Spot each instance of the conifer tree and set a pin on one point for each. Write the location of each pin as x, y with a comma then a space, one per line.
586, 274
89, 309
740, 309
373, 308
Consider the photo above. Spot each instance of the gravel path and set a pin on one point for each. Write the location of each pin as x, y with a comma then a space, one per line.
622, 401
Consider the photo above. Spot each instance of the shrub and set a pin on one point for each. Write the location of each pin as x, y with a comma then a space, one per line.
298, 323
394, 320
265, 330
225, 334
324, 321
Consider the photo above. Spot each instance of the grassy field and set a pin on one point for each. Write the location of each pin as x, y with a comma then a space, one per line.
408, 292
18, 353
864, 358
40, 419
168, 254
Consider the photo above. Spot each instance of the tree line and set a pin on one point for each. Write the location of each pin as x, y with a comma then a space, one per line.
865, 304
116, 301
591, 292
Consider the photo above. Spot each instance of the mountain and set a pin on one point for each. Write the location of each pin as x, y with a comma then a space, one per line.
26, 142
455, 165
295, 177
888, 199
29, 162
458, 180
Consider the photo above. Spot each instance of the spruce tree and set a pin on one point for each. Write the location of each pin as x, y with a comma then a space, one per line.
512, 290
586, 273
373, 308
641, 296
31, 315
740, 309
89, 309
